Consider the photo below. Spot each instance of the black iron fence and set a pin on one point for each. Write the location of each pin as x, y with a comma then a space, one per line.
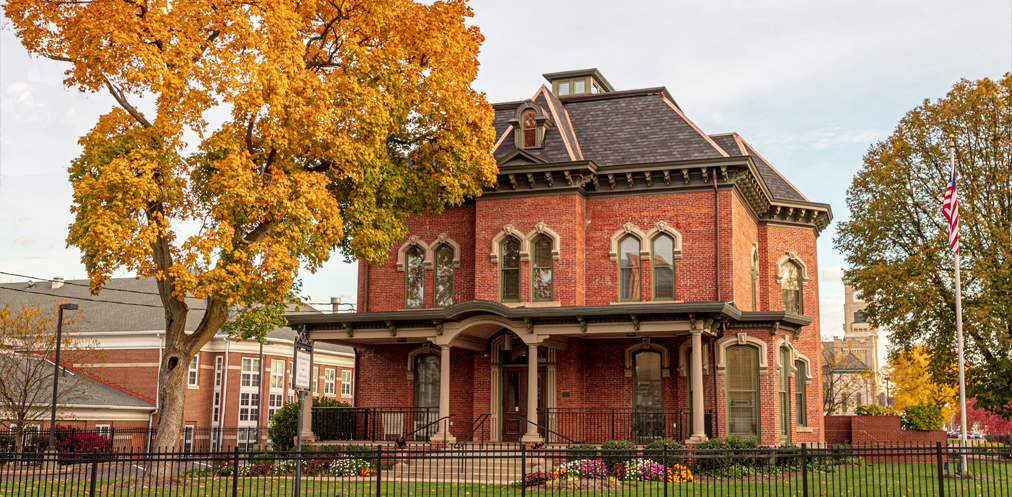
413, 424
191, 439
641, 426
909, 470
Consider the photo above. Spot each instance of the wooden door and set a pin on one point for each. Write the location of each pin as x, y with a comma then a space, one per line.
514, 402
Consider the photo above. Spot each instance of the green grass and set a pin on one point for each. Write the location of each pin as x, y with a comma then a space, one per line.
906, 480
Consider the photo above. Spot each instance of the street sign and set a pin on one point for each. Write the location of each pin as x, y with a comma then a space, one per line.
303, 365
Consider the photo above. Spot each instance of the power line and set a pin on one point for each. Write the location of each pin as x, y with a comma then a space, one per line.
139, 292
92, 300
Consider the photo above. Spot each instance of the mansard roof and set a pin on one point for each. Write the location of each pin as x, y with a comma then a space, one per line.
642, 138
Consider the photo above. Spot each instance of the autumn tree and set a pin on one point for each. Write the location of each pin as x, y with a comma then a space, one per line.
913, 382
845, 379
27, 344
896, 239
343, 119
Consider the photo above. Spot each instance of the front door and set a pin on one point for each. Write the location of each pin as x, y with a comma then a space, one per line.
514, 402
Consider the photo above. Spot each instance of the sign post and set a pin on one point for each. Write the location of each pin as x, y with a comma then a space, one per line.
302, 372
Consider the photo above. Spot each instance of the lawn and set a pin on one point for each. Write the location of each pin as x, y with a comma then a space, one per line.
882, 479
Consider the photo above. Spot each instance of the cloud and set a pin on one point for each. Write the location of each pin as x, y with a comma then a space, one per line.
831, 315
831, 274
24, 219
24, 240
349, 297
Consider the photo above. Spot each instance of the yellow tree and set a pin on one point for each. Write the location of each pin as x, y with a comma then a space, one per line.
27, 345
345, 117
914, 383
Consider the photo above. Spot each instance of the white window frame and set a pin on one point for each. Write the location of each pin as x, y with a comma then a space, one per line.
274, 403
188, 439
105, 430
329, 378
249, 408
216, 407
277, 374
291, 384
193, 372
218, 362
250, 377
345, 382
315, 380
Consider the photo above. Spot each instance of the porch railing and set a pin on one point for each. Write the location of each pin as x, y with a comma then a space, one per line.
415, 424
641, 426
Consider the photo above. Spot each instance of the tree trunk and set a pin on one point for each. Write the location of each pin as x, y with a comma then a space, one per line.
19, 434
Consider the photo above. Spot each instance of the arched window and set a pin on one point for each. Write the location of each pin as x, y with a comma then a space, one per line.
530, 129
784, 395
442, 289
509, 270
790, 286
663, 268
629, 268
800, 407
648, 392
859, 317
541, 269
414, 278
426, 388
742, 390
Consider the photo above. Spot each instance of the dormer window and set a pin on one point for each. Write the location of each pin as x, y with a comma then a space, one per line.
530, 129
529, 125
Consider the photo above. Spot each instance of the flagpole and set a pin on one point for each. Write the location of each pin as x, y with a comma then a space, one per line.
959, 333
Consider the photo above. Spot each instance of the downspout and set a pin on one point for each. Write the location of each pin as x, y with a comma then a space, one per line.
716, 229
716, 400
158, 385
354, 380
224, 390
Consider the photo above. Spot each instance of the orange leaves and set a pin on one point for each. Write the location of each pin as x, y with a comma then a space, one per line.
345, 118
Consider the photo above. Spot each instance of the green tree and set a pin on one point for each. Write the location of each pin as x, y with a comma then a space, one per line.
344, 119
896, 240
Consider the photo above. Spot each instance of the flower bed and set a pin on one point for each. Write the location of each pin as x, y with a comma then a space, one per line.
575, 474
310, 467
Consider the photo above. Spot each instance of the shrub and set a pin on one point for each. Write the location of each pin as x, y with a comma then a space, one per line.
282, 426
1002, 438
923, 417
720, 463
623, 450
577, 452
659, 445
534, 479
875, 410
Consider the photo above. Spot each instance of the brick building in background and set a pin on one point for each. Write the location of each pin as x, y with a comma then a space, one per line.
626, 277
227, 385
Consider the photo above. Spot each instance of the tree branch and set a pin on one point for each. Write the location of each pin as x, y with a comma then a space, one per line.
121, 99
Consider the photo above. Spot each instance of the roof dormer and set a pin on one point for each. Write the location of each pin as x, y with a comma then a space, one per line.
581, 82
529, 125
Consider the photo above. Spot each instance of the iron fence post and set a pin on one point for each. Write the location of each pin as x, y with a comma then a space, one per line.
804, 470
941, 471
523, 469
664, 477
379, 469
94, 471
612, 424
235, 472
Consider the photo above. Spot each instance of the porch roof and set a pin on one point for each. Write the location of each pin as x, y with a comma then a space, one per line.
714, 313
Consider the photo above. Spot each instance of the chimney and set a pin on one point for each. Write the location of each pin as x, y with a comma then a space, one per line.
335, 304
57, 282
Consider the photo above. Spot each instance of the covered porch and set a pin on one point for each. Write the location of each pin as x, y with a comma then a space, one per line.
482, 371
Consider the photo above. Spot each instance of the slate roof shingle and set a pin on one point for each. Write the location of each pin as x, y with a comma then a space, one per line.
626, 128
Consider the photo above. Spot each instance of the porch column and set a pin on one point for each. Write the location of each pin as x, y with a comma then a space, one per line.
443, 435
698, 416
532, 395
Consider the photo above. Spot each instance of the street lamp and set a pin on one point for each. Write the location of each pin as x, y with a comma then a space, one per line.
56, 372
260, 400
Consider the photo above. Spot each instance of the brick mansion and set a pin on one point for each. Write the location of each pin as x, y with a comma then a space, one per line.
627, 276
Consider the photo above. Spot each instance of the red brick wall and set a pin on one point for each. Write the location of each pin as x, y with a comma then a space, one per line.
746, 232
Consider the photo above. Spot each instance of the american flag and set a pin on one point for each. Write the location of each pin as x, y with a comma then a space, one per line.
950, 209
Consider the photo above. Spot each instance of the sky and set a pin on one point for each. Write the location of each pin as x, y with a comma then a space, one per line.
811, 85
